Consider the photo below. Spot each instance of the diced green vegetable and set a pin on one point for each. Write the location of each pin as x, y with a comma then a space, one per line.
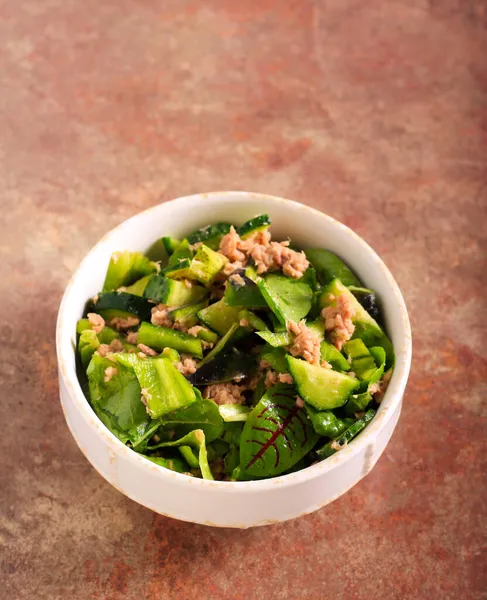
207, 335
139, 286
346, 437
219, 316
210, 235
328, 267
289, 299
223, 343
254, 225
188, 315
126, 268
116, 399
333, 356
276, 340
165, 389
253, 320
181, 252
170, 244
171, 354
171, 292
163, 337
204, 266
121, 304
194, 439
234, 412
322, 388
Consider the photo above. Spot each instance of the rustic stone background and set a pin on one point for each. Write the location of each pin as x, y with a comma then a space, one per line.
374, 111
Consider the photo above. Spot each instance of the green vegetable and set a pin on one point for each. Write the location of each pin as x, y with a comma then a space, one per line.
171, 292
333, 356
139, 286
326, 423
366, 327
202, 414
289, 299
276, 435
254, 321
165, 388
232, 432
223, 343
87, 344
188, 315
363, 363
276, 357
121, 304
173, 464
163, 337
188, 454
224, 367
248, 294
170, 244
171, 354
126, 268
276, 340
232, 459
117, 401
180, 253
358, 403
328, 267
211, 235
234, 412
322, 388
194, 439
204, 266
219, 316
346, 437
253, 226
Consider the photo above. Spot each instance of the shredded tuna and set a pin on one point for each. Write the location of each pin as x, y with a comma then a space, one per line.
237, 279
299, 402
306, 342
338, 320
119, 323
352, 374
95, 299
146, 350
293, 263
186, 366
115, 345
195, 246
325, 364
132, 337
285, 378
359, 415
229, 246
195, 330
109, 373
122, 288
374, 388
103, 349
270, 379
225, 393
187, 283
160, 316
244, 323
263, 364
206, 345
253, 382
383, 384
96, 321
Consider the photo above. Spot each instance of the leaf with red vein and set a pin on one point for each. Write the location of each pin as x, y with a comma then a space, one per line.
276, 435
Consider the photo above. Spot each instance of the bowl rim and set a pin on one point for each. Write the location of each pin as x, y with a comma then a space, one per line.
392, 397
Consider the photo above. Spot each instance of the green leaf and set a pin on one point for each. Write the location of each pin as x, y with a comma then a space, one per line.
202, 414
276, 435
327, 423
289, 299
234, 412
276, 357
117, 401
174, 464
195, 439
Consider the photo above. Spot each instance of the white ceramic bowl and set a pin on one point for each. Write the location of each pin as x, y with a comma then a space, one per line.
230, 504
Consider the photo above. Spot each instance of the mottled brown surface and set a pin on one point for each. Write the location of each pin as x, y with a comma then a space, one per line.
374, 111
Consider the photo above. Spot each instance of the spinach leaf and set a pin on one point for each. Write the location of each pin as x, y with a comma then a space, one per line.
195, 439
202, 414
276, 435
117, 401
289, 299
174, 464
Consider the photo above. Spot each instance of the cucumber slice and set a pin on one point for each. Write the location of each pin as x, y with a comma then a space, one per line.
334, 357
221, 345
171, 292
181, 252
253, 225
188, 315
247, 295
126, 268
170, 244
328, 267
366, 327
254, 321
232, 413
210, 235
204, 266
276, 340
139, 286
289, 299
322, 388
121, 304
163, 337
219, 316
